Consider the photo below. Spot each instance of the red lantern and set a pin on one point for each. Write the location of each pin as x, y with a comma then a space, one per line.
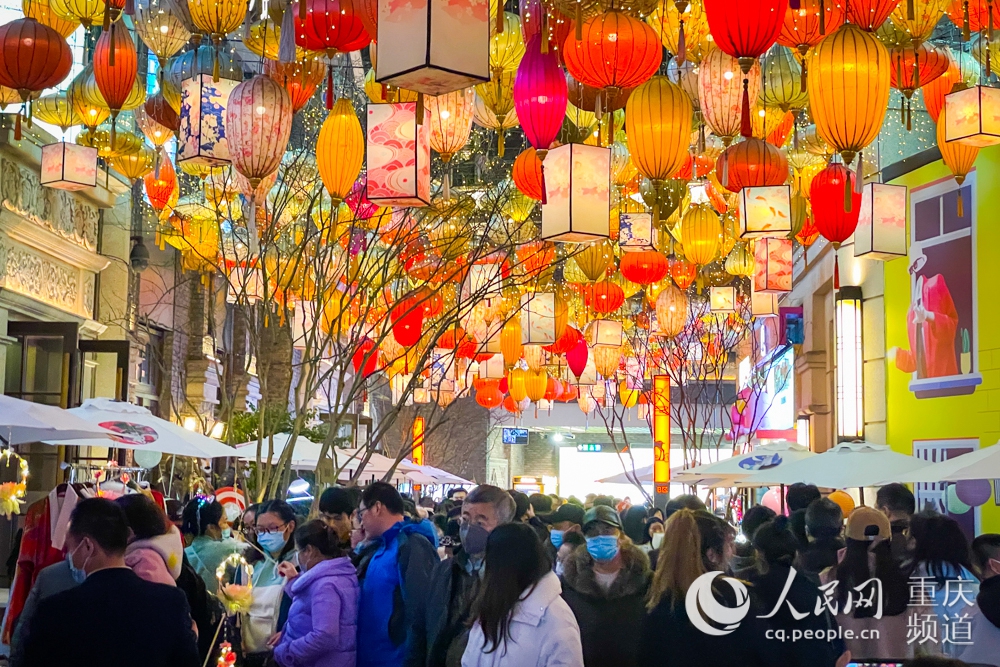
160, 188
576, 358
553, 389
365, 366
157, 108
683, 272
745, 30
693, 168
870, 14
489, 397
300, 79
535, 257
535, 18
407, 322
613, 51
644, 267
564, 343
827, 194
115, 67
33, 57
970, 15
804, 26
367, 11
540, 96
779, 135
527, 174
328, 25
915, 66
570, 393
605, 297
511, 406
450, 339
753, 162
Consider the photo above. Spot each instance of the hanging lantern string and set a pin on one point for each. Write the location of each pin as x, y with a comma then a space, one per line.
966, 32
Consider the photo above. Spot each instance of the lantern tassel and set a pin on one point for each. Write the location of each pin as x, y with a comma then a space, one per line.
286, 42
961, 205
156, 165
909, 116
545, 194
111, 50
215, 64
500, 20
681, 43
114, 128
302, 11
107, 17
966, 32
545, 30
579, 21
500, 143
329, 87
725, 172
747, 128
859, 174
910, 10
836, 267
17, 128
848, 190
822, 18
805, 75
252, 240
446, 185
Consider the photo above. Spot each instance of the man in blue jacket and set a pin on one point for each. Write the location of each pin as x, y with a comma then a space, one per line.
394, 580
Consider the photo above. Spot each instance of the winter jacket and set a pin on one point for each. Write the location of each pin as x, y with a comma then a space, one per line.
818, 555
157, 559
394, 585
206, 554
542, 633
985, 647
802, 595
322, 625
454, 584
50, 581
610, 621
670, 640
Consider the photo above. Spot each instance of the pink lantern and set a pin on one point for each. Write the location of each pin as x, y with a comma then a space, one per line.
773, 265
881, 231
68, 166
540, 96
398, 155
357, 200
258, 125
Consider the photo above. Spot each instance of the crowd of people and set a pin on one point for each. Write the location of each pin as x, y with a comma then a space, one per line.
496, 578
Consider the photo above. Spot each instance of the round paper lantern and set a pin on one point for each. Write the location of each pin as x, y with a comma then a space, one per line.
607, 359
644, 267
160, 29
41, 11
365, 359
751, 163
683, 31
958, 157
843, 500
33, 57
918, 18
740, 261
961, 68
683, 272
701, 231
594, 259
745, 30
527, 174
536, 383
494, 108
115, 62
300, 79
258, 125
340, 150
507, 47
671, 311
827, 193
407, 322
658, 126
216, 18
614, 51
510, 342
329, 25
84, 12
450, 117
517, 380
870, 14
489, 397
605, 297
136, 165
161, 188
782, 85
849, 89
914, 66
721, 94
540, 96
806, 25
953, 503
974, 492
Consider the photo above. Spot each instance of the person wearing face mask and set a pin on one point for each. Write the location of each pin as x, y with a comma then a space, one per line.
984, 648
205, 524
455, 582
568, 517
321, 630
75, 626
274, 528
605, 584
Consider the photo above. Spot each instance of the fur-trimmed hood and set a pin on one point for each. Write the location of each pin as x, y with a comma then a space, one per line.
633, 579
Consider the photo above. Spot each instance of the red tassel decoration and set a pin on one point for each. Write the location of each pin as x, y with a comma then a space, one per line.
747, 129
17, 128
822, 18
681, 44
329, 87
302, 11
836, 267
420, 108
545, 195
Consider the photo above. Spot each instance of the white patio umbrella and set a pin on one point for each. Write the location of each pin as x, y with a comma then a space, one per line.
977, 464
432, 475
305, 454
643, 475
848, 465
22, 422
740, 466
134, 427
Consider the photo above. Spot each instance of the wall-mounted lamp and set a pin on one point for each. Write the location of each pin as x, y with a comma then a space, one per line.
850, 365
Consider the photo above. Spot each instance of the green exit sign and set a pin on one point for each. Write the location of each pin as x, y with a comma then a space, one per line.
593, 447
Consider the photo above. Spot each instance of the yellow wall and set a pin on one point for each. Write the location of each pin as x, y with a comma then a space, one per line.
970, 416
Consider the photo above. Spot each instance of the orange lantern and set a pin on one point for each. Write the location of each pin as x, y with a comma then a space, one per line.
913, 66
644, 267
115, 63
683, 272
804, 26
752, 162
300, 79
959, 157
870, 14
605, 297
162, 187
527, 174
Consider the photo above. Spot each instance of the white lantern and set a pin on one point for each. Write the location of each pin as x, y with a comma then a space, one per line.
765, 211
578, 193
764, 304
202, 136
972, 116
723, 299
68, 166
398, 155
538, 318
492, 368
605, 332
589, 376
433, 47
773, 265
636, 232
485, 280
881, 231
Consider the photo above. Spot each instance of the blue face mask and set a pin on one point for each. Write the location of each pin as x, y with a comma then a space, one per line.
271, 542
556, 537
227, 533
603, 547
79, 575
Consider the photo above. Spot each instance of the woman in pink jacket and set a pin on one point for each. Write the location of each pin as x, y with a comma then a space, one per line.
155, 550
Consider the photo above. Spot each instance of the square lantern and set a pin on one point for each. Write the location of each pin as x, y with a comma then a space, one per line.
492, 368
972, 116
765, 211
773, 265
578, 194
764, 304
606, 332
398, 155
636, 232
69, 166
881, 231
723, 299
538, 318
485, 280
202, 136
437, 46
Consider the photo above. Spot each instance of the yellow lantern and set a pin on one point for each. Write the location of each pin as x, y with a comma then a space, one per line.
136, 165
959, 157
536, 382
629, 397
700, 231
507, 47
584, 120
340, 149
517, 384
84, 12
740, 261
451, 117
671, 310
510, 341
41, 11
606, 359
56, 109
720, 92
217, 18
848, 89
263, 39
125, 143
382, 93
918, 18
666, 19
594, 259
781, 84
157, 134
160, 29
494, 107
623, 170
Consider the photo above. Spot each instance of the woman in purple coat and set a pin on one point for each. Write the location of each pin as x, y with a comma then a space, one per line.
321, 630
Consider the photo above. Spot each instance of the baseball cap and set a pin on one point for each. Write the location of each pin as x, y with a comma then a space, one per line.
565, 512
867, 524
602, 514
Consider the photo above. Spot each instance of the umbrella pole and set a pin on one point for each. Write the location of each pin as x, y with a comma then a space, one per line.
861, 494
782, 494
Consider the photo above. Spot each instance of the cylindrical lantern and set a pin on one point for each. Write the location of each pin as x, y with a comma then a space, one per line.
578, 193
510, 341
340, 150
115, 63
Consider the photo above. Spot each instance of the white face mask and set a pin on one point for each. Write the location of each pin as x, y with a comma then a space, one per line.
657, 540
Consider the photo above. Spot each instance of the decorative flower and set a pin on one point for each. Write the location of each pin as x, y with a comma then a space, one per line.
10, 498
236, 597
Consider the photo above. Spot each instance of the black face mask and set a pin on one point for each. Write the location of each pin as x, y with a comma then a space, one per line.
474, 539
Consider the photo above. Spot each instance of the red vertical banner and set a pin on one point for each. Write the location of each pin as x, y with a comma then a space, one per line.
661, 434
418, 441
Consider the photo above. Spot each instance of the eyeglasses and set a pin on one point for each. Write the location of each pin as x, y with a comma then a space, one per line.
269, 531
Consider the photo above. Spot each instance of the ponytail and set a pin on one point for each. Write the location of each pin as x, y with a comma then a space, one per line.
317, 533
679, 562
